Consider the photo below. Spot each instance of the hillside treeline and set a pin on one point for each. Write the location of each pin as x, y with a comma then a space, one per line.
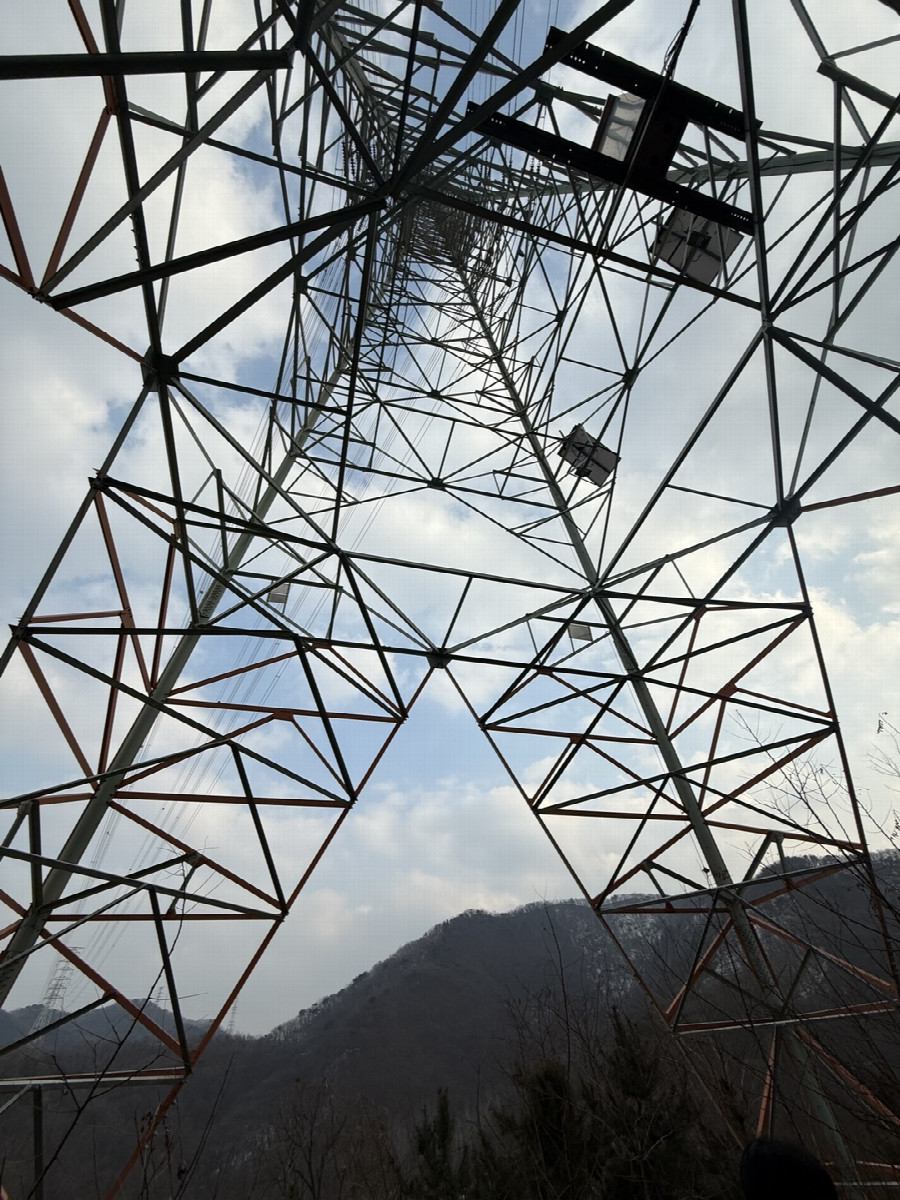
499, 1056
617, 1118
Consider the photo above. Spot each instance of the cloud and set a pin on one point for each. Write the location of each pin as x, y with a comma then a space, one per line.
405, 860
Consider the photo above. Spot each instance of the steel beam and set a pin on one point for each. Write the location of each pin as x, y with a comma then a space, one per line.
603, 166
638, 81
163, 62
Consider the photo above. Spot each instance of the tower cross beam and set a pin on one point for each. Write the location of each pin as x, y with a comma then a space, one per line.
159, 62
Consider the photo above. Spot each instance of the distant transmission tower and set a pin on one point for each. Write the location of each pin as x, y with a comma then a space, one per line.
54, 995
571, 346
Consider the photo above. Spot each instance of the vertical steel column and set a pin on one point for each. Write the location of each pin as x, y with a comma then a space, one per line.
706, 839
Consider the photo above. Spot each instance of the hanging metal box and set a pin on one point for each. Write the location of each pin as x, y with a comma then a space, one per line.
647, 140
615, 133
278, 595
587, 456
694, 245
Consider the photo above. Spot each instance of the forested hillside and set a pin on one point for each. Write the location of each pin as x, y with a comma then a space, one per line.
498, 1056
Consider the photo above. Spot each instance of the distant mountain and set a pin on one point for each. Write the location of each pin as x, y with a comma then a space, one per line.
444, 1011
108, 1023
437, 1013
432, 1014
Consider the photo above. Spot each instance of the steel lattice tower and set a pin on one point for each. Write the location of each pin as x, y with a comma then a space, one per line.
627, 349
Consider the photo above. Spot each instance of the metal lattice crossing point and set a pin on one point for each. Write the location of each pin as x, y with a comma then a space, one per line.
466, 248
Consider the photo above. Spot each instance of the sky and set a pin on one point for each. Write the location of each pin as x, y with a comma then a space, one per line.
439, 828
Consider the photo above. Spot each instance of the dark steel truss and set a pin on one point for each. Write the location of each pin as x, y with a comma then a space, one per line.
243, 627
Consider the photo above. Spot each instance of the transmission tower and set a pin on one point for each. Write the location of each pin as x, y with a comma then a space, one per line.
575, 338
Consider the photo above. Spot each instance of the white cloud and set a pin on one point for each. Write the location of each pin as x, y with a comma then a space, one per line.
404, 860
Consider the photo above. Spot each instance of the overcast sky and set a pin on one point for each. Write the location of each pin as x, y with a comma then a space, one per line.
439, 828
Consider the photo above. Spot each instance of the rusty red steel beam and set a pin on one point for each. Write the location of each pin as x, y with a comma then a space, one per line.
233, 673
606, 706
75, 616
872, 495
171, 759
704, 784
786, 935
623, 767
846, 1075
279, 711
785, 886
826, 713
583, 738
15, 279
777, 765
111, 704
800, 749
378, 757
144, 771
84, 175
121, 587
90, 44
791, 883
797, 1023
541, 791
733, 796
101, 333
370, 686
164, 596
658, 661
201, 798
168, 760
775, 702
679, 683
817, 839
84, 26
145, 1136
199, 858
487, 730
210, 798
139, 882
99, 981
674, 1007
143, 500
120, 918
320, 756
14, 234
150, 678
678, 907
50, 700
767, 1097
245, 974
559, 675
736, 827
731, 685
